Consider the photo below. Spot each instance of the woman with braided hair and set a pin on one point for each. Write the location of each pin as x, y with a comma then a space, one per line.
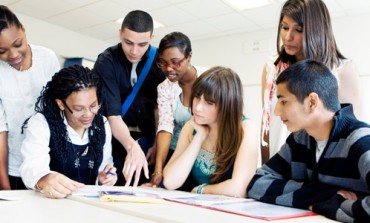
68, 141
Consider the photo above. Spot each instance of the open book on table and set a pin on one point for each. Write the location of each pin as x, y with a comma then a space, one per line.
245, 207
240, 206
118, 193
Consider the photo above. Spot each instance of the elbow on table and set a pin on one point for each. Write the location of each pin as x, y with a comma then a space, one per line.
243, 194
234, 188
240, 193
170, 184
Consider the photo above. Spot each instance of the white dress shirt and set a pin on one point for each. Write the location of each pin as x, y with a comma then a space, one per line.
35, 148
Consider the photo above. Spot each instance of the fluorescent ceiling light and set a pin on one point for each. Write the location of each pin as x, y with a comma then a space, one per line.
241, 5
155, 23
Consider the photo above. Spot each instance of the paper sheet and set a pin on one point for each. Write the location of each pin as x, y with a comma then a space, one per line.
93, 190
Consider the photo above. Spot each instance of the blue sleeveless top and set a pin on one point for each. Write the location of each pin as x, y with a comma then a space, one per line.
204, 166
182, 114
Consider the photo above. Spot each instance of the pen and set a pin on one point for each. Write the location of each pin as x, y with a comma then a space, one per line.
111, 173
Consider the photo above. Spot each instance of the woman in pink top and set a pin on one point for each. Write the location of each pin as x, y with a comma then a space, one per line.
174, 56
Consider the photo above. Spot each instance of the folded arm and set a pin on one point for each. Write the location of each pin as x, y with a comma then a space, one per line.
273, 184
348, 205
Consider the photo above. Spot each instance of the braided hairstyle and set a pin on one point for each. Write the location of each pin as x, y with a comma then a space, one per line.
71, 79
8, 18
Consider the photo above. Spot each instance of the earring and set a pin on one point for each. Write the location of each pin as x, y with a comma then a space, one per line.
62, 113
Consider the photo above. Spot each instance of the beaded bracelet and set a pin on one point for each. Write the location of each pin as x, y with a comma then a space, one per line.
200, 188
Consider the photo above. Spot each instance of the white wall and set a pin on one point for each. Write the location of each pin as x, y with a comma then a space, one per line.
65, 43
245, 53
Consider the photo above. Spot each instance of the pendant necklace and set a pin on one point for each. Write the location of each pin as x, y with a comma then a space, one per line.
77, 163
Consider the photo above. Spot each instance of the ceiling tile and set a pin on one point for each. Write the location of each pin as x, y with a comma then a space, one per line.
110, 10
145, 5
263, 15
103, 31
76, 19
199, 19
172, 15
227, 22
197, 8
43, 9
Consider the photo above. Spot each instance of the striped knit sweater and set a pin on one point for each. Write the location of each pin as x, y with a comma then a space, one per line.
294, 178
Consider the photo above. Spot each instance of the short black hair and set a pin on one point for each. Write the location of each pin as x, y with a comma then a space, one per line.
138, 21
307, 76
175, 39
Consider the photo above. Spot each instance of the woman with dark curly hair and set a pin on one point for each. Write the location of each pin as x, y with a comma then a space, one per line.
68, 141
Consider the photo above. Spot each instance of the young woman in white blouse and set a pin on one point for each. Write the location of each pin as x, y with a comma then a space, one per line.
24, 70
68, 141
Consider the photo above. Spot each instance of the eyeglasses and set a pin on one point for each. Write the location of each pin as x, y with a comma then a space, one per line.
173, 64
93, 109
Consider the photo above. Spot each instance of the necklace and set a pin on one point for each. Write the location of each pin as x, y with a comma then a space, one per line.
83, 162
77, 156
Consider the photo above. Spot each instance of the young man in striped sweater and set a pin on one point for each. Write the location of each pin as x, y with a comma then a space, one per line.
325, 163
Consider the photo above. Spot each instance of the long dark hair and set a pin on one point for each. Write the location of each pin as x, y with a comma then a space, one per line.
318, 37
223, 87
63, 83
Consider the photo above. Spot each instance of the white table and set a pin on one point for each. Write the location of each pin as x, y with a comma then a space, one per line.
176, 212
34, 207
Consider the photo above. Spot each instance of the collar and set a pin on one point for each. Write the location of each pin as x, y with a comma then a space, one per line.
345, 122
74, 136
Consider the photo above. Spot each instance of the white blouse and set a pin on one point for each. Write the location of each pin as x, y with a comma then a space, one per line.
35, 148
19, 91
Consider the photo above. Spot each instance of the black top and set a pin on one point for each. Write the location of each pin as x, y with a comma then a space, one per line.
115, 71
82, 164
